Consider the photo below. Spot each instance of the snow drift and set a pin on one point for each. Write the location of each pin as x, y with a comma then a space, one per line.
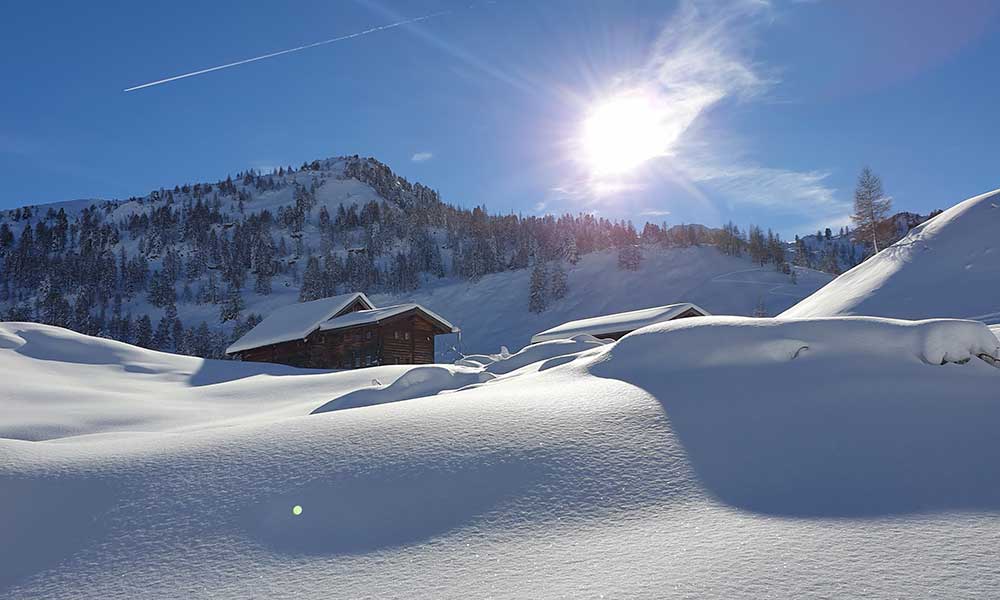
57, 384
862, 416
948, 266
710, 457
417, 382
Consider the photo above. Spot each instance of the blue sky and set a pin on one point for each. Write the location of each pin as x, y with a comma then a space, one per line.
765, 111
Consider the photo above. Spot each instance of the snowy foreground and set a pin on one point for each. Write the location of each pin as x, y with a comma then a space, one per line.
710, 457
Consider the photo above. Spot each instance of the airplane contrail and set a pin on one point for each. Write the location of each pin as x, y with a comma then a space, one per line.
289, 51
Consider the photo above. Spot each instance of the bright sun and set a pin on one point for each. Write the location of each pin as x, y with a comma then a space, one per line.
622, 133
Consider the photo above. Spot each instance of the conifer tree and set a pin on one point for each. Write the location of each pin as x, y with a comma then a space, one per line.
629, 257
312, 281
537, 292
558, 284
144, 332
871, 208
232, 307
262, 284
161, 337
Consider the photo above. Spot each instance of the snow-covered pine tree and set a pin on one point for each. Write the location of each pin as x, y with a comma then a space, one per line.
830, 262
179, 337
775, 250
162, 335
144, 332
262, 284
630, 257
730, 240
312, 281
570, 251
557, 282
757, 246
232, 307
537, 293
802, 257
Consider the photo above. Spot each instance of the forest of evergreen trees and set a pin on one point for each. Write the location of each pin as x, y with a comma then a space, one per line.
131, 270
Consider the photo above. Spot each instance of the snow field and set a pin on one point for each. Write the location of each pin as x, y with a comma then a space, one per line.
855, 468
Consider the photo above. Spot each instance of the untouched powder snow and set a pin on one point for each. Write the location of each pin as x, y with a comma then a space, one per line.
415, 383
58, 383
948, 266
716, 457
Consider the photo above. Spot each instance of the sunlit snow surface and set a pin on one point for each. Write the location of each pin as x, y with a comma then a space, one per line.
948, 266
708, 457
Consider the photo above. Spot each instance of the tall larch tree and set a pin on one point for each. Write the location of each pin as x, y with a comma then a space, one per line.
871, 208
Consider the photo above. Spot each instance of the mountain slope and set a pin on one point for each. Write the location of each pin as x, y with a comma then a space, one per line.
948, 266
494, 310
189, 269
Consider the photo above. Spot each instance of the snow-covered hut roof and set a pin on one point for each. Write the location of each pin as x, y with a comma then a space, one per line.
616, 323
375, 315
295, 321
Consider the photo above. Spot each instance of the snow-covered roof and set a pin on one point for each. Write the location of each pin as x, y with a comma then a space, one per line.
367, 317
295, 321
616, 323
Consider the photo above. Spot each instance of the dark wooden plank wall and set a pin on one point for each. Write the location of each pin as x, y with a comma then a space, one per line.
407, 340
294, 353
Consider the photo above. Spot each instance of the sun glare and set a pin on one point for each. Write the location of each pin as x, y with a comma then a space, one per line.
622, 133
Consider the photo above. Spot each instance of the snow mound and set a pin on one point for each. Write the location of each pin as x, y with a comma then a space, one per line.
711, 342
415, 383
534, 353
842, 416
59, 384
948, 266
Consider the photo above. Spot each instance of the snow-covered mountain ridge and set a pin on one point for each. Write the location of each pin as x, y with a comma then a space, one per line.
949, 266
189, 269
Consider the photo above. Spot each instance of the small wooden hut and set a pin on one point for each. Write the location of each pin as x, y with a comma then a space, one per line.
343, 332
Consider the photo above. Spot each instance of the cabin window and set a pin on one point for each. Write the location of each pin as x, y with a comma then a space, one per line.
395, 334
368, 359
406, 335
368, 334
357, 358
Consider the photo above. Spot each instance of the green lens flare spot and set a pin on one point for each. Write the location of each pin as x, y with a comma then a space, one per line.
296, 510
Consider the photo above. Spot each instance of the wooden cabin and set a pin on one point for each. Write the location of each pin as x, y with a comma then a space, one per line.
343, 332
615, 326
